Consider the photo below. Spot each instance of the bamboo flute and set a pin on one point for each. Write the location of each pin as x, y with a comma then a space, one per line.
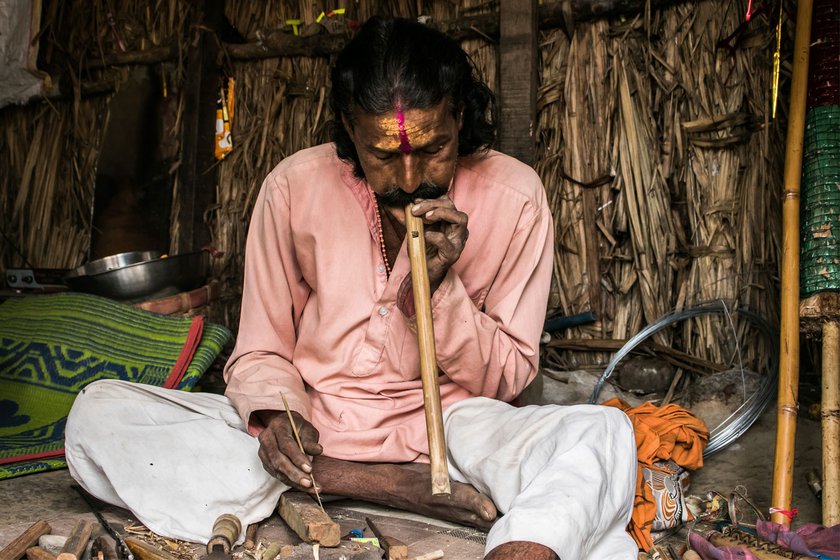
428, 360
831, 423
789, 348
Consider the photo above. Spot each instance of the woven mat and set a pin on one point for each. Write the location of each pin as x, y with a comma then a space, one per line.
52, 346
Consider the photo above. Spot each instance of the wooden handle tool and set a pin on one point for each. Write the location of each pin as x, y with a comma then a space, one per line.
394, 549
77, 541
428, 361
251, 536
102, 549
38, 553
27, 539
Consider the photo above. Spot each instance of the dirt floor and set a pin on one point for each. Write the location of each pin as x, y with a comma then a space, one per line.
745, 465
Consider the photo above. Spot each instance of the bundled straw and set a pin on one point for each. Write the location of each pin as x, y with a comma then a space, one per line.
655, 144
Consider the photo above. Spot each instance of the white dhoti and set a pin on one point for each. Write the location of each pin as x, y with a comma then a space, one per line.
563, 476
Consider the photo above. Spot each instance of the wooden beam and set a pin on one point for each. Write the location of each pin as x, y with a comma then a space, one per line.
518, 78
306, 519
153, 55
279, 43
197, 174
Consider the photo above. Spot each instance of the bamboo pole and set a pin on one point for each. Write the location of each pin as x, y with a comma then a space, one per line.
428, 361
831, 423
789, 348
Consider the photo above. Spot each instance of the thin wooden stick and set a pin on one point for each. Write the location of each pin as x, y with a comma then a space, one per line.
300, 445
789, 348
428, 361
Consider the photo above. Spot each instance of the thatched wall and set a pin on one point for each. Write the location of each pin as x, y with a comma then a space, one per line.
656, 147
663, 167
49, 149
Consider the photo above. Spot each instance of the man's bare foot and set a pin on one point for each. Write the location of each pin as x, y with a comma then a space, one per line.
404, 486
521, 550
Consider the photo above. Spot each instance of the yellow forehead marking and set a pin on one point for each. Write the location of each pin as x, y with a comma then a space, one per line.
389, 133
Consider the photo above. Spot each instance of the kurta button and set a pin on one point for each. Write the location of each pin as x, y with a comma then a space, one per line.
380, 268
383, 310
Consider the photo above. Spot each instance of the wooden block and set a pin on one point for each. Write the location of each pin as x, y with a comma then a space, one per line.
306, 519
27, 539
77, 541
38, 553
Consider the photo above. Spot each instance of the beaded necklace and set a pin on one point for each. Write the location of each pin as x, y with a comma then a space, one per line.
378, 220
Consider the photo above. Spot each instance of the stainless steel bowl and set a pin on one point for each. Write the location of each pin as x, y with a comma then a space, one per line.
144, 280
113, 262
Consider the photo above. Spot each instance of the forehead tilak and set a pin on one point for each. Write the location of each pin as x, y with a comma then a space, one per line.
397, 127
405, 145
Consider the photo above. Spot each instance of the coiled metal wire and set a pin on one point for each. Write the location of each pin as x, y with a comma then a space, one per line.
750, 410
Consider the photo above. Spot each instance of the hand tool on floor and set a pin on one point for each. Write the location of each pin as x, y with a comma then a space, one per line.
394, 549
102, 549
428, 360
226, 530
300, 445
27, 539
77, 541
251, 536
122, 550
144, 551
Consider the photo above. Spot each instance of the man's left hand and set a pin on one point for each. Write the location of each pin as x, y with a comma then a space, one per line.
445, 235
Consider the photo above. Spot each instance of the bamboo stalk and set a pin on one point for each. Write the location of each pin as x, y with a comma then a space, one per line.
789, 347
831, 423
428, 361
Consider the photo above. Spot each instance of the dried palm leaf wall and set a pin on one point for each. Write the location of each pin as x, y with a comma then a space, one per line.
663, 169
49, 149
659, 157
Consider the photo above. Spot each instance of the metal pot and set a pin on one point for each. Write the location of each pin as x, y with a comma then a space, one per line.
113, 262
142, 279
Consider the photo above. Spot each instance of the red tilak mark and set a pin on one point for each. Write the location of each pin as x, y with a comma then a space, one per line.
405, 145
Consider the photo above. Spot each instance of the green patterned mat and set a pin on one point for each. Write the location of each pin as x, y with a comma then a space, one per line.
51, 346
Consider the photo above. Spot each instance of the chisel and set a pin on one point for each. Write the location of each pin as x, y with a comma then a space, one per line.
394, 549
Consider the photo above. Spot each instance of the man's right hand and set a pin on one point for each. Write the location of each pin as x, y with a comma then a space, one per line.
279, 452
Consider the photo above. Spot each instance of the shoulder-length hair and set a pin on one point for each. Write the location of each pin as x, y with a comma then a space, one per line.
393, 62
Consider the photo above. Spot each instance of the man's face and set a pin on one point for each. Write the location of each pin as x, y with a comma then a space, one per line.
407, 154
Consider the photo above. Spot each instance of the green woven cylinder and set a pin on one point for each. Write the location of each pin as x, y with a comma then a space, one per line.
820, 202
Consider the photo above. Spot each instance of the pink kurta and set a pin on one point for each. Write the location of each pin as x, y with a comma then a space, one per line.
321, 321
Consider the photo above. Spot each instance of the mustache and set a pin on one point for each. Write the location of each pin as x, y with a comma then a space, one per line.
398, 198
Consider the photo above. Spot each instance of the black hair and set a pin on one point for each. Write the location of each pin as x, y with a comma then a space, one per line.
392, 61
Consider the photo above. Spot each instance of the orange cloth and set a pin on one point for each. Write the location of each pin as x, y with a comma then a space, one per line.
662, 433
